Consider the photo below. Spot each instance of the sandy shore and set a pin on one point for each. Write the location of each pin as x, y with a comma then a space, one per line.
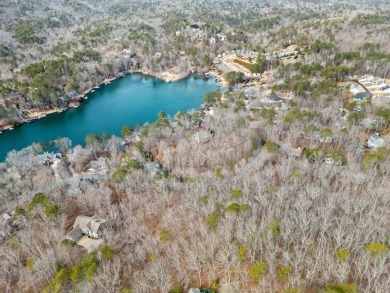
221, 78
166, 76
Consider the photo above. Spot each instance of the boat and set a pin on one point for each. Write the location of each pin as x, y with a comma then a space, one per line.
60, 110
11, 128
1, 132
97, 87
76, 106
85, 98
92, 91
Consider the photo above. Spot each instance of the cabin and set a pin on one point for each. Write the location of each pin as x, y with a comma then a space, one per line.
375, 141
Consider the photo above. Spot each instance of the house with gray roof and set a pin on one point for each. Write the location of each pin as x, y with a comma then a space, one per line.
375, 141
202, 136
194, 290
86, 232
49, 158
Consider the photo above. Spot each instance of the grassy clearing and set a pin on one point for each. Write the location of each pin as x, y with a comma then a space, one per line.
247, 65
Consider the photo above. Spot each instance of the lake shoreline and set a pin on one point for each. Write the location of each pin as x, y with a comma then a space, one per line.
77, 100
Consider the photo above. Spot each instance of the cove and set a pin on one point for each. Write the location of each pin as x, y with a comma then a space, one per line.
134, 98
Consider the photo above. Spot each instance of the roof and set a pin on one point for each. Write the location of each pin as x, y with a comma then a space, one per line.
75, 234
49, 157
152, 167
194, 290
202, 136
92, 223
375, 141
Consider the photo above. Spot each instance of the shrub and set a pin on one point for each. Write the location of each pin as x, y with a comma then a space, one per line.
38, 198
274, 227
85, 269
236, 193
341, 288
107, 253
271, 146
212, 220
284, 272
258, 270
203, 200
218, 172
19, 212
342, 255
176, 289
30, 263
165, 235
236, 208
242, 252
68, 242
52, 211
376, 249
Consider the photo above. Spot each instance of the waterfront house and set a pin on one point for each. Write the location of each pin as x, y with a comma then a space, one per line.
375, 141
49, 158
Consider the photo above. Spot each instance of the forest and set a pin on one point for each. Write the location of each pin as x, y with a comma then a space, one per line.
276, 185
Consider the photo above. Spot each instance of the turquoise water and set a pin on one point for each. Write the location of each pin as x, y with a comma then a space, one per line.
127, 100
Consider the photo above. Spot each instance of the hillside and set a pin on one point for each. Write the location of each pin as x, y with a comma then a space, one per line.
279, 184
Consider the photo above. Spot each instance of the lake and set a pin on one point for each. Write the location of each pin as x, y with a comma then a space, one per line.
134, 98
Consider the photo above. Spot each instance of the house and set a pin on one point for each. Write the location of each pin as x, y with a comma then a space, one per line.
368, 77
98, 167
6, 224
212, 40
49, 158
88, 226
375, 141
178, 33
153, 168
182, 53
202, 136
368, 123
194, 290
86, 232
126, 51
221, 37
